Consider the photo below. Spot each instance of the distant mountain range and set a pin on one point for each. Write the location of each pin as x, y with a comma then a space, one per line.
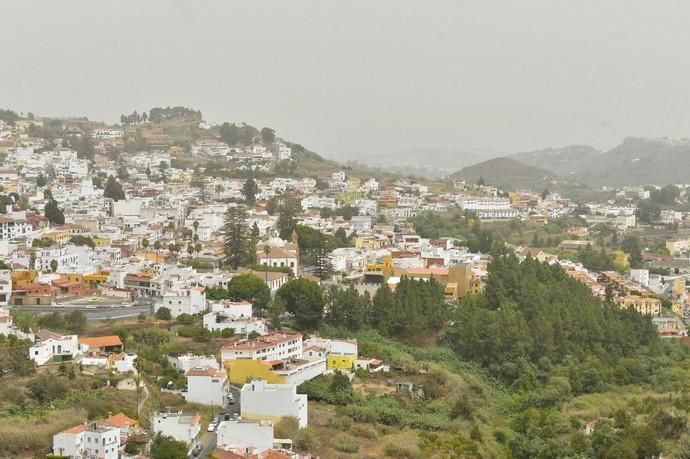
636, 161
507, 173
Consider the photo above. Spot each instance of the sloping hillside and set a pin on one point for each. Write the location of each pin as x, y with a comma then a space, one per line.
507, 173
641, 161
568, 161
636, 161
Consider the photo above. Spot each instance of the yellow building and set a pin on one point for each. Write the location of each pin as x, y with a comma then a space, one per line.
340, 362
368, 243
477, 286
22, 277
94, 280
75, 277
678, 246
101, 241
58, 237
643, 305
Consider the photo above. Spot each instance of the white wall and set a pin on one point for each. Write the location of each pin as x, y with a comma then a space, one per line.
273, 400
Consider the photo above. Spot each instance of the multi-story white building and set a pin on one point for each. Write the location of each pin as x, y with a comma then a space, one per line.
67, 257
5, 286
184, 427
207, 385
107, 133
274, 346
487, 207
260, 400
88, 441
184, 301
11, 228
641, 276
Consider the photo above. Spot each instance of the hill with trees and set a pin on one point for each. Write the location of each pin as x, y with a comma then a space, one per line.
507, 173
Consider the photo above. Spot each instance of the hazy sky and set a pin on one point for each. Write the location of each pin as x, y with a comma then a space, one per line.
351, 77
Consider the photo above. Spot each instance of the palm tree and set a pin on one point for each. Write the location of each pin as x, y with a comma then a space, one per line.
145, 243
157, 246
197, 249
195, 225
190, 250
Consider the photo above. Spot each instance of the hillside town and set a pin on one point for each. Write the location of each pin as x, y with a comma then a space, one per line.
167, 233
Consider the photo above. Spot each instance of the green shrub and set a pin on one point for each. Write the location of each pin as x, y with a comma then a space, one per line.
398, 452
340, 423
364, 432
346, 444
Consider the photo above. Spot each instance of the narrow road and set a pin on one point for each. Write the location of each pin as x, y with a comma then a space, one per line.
208, 444
145, 392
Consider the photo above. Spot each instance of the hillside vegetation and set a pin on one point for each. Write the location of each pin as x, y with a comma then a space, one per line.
507, 173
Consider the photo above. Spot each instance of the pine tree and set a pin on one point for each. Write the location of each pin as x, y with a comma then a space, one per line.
53, 213
250, 190
237, 237
113, 189
323, 267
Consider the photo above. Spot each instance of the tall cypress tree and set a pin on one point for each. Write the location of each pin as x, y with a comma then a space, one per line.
237, 237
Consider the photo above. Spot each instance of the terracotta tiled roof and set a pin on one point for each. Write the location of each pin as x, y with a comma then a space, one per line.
102, 341
120, 420
75, 430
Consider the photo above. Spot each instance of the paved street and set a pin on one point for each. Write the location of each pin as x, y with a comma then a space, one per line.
208, 443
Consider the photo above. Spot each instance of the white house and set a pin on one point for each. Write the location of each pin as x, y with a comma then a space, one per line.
181, 426
91, 441
207, 385
236, 316
184, 301
185, 362
11, 228
50, 345
279, 257
245, 435
345, 347
274, 346
260, 400
219, 321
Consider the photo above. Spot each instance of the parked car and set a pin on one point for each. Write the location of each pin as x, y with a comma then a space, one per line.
216, 420
58, 305
211, 427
